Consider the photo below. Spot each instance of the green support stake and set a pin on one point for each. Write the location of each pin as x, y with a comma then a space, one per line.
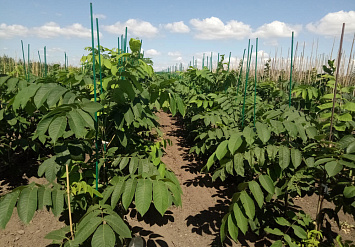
45, 62
28, 62
118, 44
99, 50
240, 73
40, 65
24, 62
95, 99
211, 61
207, 61
217, 59
256, 67
203, 60
289, 101
246, 81
65, 61
125, 41
229, 60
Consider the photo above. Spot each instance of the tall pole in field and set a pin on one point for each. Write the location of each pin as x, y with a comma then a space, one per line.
256, 66
289, 98
24, 62
94, 81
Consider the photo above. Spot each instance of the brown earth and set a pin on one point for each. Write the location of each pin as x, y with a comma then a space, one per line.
196, 223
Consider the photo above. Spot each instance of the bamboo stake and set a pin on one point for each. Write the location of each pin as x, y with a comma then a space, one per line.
69, 206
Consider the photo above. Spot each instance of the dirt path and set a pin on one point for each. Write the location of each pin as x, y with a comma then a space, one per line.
197, 222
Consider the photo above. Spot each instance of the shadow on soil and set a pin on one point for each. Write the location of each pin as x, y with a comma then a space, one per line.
208, 221
16, 173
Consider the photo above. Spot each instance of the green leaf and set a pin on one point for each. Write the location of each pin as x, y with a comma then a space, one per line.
282, 221
263, 131
55, 94
277, 243
223, 229
248, 204
351, 148
27, 204
239, 164
301, 132
211, 161
274, 231
84, 232
350, 106
172, 105
345, 117
58, 202
291, 128
296, 157
76, 123
333, 168
117, 192
41, 94
91, 106
299, 232
349, 156
222, 149
7, 205
57, 128
143, 195
349, 191
128, 193
284, 157
58, 234
134, 45
88, 120
257, 192
249, 134
103, 237
267, 183
234, 142
232, 227
160, 196
242, 221
118, 225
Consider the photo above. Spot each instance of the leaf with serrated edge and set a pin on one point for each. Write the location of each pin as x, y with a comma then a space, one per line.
242, 221
7, 206
143, 195
83, 233
118, 225
160, 196
232, 227
248, 204
128, 193
117, 192
103, 237
296, 157
267, 183
27, 204
57, 128
257, 193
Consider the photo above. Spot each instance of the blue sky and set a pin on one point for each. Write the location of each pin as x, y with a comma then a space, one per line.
174, 31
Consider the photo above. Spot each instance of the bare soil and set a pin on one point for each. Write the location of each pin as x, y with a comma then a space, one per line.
196, 223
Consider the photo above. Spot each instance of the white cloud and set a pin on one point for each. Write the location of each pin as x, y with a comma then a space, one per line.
177, 27
99, 16
331, 23
10, 31
277, 29
56, 49
214, 28
151, 52
174, 53
52, 29
179, 59
135, 27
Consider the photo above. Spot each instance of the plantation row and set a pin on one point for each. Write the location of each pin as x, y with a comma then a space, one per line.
99, 147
